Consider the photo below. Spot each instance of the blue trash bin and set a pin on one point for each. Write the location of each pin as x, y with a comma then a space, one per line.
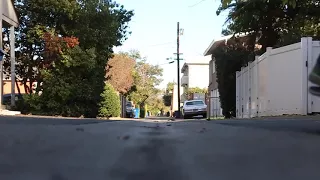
136, 113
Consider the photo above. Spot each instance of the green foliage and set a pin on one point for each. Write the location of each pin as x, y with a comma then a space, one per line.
190, 91
196, 90
291, 3
229, 59
68, 89
170, 86
143, 112
157, 104
146, 78
167, 99
31, 103
273, 23
72, 82
167, 96
267, 23
110, 103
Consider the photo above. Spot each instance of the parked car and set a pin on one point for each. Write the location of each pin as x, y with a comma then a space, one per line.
194, 108
7, 98
129, 110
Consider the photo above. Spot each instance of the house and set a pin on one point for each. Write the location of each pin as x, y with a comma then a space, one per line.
214, 100
195, 74
213, 91
8, 19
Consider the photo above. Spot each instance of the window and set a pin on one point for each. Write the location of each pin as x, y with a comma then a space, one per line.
194, 103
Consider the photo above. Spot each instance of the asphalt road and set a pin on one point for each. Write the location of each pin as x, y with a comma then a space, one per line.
65, 149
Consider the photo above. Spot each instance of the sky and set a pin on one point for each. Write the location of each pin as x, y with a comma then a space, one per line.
154, 29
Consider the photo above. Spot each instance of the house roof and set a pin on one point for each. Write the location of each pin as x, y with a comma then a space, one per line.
214, 44
8, 13
185, 65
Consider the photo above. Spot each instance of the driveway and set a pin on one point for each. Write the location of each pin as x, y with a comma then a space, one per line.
64, 149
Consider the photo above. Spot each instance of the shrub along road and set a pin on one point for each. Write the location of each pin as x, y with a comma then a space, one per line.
63, 149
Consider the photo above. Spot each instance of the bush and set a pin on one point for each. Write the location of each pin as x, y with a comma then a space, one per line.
142, 113
30, 103
110, 102
229, 59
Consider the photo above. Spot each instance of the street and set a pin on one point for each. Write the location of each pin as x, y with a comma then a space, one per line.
158, 149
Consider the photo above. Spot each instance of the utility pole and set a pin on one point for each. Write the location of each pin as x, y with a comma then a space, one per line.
178, 67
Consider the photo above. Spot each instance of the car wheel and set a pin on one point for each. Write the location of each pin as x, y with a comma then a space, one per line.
204, 115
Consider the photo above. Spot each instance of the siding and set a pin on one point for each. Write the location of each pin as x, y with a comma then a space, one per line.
198, 76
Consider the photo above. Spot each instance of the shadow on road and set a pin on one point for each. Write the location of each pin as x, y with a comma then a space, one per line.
293, 125
32, 120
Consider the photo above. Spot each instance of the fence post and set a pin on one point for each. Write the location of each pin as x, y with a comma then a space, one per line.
209, 109
257, 87
268, 52
307, 65
249, 87
237, 94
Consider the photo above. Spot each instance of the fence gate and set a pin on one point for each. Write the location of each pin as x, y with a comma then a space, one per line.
214, 107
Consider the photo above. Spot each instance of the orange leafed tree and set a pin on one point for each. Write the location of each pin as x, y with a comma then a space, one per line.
55, 45
120, 72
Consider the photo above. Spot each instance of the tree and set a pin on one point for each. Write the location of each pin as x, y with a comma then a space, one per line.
110, 104
146, 78
167, 97
170, 86
292, 3
196, 90
156, 105
229, 59
98, 26
67, 79
268, 21
120, 72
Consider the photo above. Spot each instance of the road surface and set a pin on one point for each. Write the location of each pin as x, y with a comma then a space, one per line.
61, 149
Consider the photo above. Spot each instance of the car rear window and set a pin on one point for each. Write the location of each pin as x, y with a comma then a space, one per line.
191, 103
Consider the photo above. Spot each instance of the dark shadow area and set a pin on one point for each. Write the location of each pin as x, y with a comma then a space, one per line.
48, 121
300, 125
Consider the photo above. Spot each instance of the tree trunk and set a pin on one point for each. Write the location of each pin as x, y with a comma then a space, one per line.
18, 88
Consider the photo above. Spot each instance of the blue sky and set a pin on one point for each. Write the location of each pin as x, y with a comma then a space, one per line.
154, 29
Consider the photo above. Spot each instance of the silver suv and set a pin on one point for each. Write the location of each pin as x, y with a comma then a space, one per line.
194, 108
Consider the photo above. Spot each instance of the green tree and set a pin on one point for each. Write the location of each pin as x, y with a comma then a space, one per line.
292, 3
110, 104
268, 23
146, 78
156, 104
67, 83
229, 59
98, 25
170, 86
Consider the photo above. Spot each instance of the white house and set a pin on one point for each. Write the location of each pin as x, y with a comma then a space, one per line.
195, 73
213, 85
8, 19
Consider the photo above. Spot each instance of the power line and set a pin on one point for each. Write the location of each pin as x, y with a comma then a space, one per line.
197, 3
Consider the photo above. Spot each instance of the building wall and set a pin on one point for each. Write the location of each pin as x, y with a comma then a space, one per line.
7, 87
198, 76
213, 85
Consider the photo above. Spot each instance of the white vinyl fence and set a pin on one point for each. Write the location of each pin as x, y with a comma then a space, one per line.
276, 83
214, 105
